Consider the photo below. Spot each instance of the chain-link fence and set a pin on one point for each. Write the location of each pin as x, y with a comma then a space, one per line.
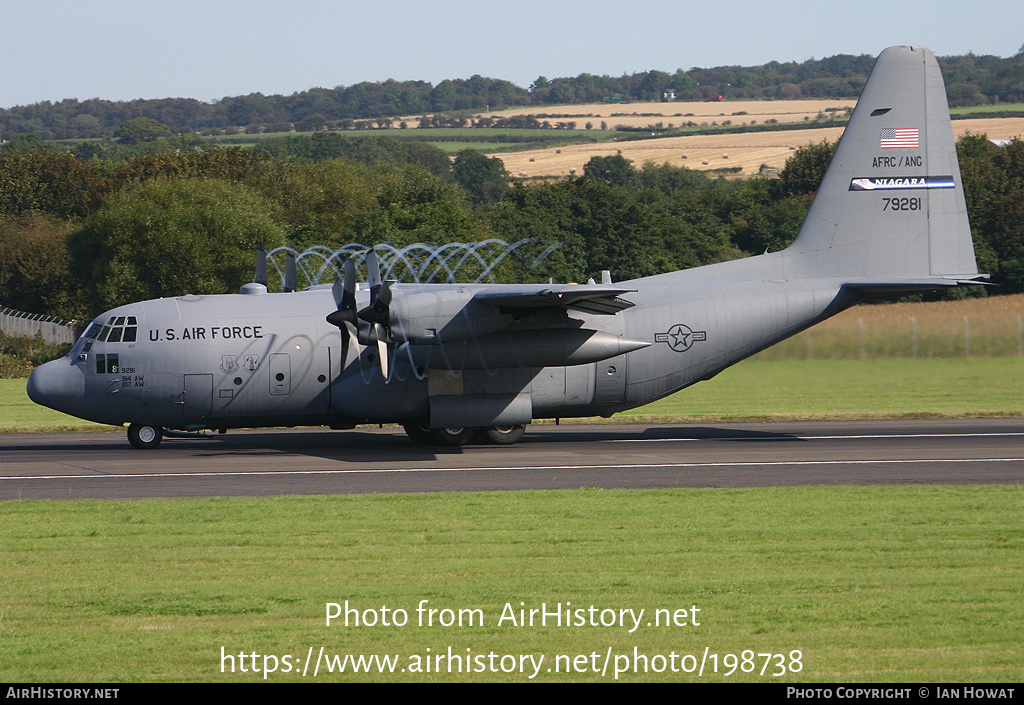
28, 325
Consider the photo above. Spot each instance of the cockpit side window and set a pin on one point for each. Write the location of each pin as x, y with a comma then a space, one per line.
107, 364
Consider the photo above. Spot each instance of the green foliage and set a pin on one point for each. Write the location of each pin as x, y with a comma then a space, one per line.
994, 189
168, 222
232, 164
669, 179
322, 146
542, 214
318, 203
20, 354
141, 129
25, 142
483, 177
172, 237
632, 232
614, 170
110, 150
34, 265
56, 183
415, 206
804, 171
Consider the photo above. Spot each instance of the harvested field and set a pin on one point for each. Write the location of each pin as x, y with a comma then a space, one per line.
673, 114
746, 150
677, 113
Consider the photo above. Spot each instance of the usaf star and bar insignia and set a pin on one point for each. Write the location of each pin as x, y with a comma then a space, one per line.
680, 337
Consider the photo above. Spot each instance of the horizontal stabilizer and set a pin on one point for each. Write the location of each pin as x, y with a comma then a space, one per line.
910, 285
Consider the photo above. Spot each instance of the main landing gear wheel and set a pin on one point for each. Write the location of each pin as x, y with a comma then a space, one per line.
452, 436
144, 437
503, 435
420, 434
439, 436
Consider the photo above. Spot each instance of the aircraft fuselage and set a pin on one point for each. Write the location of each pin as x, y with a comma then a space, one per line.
228, 361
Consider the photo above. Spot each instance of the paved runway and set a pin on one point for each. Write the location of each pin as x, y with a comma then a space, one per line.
260, 463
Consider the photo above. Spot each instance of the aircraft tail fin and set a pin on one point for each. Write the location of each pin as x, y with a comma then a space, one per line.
890, 209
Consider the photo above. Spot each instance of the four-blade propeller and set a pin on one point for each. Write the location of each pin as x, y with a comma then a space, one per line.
377, 314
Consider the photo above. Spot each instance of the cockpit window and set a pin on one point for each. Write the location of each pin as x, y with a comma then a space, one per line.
107, 364
119, 329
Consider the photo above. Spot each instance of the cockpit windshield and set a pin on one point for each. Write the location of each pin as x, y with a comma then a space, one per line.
117, 329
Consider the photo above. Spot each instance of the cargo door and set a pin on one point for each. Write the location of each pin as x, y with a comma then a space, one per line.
610, 379
197, 398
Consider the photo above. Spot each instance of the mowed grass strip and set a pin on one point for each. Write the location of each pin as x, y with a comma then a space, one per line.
751, 390
19, 414
848, 389
890, 584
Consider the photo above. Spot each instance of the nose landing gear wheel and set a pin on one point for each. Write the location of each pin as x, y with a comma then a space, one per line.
144, 437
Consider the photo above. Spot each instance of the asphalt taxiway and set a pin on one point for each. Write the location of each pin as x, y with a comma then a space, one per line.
265, 463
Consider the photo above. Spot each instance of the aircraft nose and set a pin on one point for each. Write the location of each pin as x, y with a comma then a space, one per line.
57, 384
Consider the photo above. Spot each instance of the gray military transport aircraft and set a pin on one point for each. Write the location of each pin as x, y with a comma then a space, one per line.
450, 361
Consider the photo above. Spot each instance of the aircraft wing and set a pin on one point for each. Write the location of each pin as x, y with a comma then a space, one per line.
590, 298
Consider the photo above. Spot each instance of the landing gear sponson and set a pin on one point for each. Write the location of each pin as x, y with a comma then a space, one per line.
499, 435
145, 437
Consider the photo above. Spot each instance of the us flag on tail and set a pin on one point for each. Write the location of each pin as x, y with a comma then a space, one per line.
899, 138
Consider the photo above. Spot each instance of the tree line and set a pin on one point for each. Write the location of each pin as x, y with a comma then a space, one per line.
970, 80
78, 236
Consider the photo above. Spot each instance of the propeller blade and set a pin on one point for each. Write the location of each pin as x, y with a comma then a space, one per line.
378, 312
291, 279
344, 291
347, 301
372, 269
382, 350
261, 266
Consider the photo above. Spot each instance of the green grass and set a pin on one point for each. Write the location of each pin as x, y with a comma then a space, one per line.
19, 414
998, 108
869, 584
751, 390
486, 139
892, 388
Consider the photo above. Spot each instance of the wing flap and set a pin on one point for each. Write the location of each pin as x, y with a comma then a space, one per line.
600, 300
